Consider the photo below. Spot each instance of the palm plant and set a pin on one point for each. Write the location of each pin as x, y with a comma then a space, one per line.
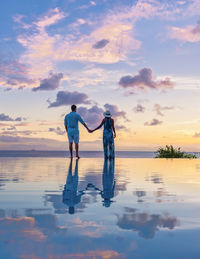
170, 152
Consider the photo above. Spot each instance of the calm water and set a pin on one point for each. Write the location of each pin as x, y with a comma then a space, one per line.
84, 154
130, 208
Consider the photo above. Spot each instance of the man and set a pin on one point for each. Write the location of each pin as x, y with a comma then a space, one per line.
71, 195
71, 126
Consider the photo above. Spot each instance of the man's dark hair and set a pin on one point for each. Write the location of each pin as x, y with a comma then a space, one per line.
73, 107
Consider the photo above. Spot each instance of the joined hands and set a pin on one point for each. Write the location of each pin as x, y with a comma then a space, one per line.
90, 131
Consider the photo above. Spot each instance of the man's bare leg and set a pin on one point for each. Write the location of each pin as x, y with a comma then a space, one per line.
76, 147
71, 149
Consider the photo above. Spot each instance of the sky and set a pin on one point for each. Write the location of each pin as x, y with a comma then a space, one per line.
138, 59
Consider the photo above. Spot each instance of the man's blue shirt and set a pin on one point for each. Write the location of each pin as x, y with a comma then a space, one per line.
72, 119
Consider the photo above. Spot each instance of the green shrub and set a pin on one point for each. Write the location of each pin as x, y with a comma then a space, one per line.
171, 152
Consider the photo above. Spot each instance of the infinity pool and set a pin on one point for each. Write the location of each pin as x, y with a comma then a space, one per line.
91, 208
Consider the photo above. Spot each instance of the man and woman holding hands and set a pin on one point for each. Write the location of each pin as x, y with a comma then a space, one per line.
71, 125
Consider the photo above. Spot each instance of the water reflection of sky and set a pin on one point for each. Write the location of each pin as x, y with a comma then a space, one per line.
127, 208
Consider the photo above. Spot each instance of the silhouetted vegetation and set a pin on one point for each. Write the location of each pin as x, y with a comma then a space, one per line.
171, 152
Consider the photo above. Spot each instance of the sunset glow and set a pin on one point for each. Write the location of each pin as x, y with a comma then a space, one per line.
139, 59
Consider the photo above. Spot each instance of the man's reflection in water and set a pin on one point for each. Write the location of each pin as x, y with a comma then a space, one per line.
71, 196
108, 182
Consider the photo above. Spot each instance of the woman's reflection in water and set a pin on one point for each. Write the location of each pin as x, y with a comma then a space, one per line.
108, 182
71, 196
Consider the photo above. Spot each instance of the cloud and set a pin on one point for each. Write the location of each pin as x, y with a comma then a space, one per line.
146, 225
43, 50
17, 132
4, 138
21, 229
10, 142
39, 46
18, 18
155, 178
144, 80
11, 128
197, 28
109, 38
100, 44
190, 33
57, 130
154, 122
193, 8
158, 108
139, 108
115, 111
4, 124
14, 74
50, 83
120, 127
69, 98
113, 34
93, 3
92, 76
92, 116
4, 117
51, 17
196, 135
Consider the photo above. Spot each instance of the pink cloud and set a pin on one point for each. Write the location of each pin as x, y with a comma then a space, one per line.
154, 122
193, 8
159, 109
113, 34
189, 33
14, 74
116, 27
40, 47
52, 17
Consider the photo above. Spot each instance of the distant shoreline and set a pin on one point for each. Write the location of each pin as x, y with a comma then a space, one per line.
84, 154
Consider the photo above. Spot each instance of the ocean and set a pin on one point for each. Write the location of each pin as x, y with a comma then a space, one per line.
84, 154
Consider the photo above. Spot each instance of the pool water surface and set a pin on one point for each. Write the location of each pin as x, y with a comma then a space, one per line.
91, 208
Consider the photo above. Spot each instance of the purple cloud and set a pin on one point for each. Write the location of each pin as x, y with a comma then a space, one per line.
92, 116
120, 127
27, 143
13, 73
17, 132
146, 225
154, 122
57, 130
139, 108
115, 111
69, 98
144, 80
50, 83
4, 117
158, 108
100, 44
196, 30
10, 128
4, 138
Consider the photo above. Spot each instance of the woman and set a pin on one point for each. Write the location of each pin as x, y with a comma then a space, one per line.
108, 137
